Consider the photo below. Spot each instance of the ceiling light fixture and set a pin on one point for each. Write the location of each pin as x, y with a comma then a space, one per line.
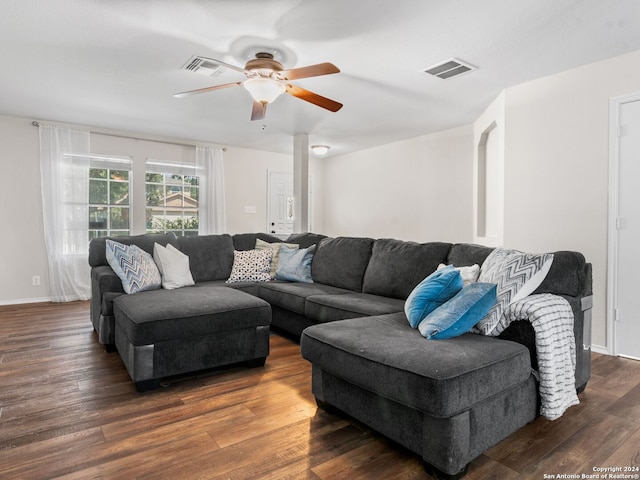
320, 149
264, 90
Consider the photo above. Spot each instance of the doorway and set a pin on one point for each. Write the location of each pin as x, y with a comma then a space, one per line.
280, 204
624, 228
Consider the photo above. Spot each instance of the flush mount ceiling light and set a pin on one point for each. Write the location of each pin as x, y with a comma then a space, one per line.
320, 149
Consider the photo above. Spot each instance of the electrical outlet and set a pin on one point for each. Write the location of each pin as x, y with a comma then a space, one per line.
35, 281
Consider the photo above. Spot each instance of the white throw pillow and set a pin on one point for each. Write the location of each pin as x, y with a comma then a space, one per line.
469, 274
173, 266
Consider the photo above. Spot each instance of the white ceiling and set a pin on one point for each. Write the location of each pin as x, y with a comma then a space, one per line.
115, 64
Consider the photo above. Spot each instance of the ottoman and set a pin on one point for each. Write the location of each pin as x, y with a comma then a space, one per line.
446, 400
161, 333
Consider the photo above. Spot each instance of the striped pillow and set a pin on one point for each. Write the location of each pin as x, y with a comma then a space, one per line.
135, 267
516, 275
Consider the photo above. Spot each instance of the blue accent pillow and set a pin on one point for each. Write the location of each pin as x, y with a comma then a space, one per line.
432, 292
461, 313
135, 267
294, 265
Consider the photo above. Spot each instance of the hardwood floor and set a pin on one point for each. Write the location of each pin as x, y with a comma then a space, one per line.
69, 410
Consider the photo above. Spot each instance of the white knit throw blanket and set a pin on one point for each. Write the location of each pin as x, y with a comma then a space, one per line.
552, 320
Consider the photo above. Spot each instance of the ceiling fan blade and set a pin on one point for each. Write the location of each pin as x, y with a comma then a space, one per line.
259, 110
206, 89
310, 71
314, 98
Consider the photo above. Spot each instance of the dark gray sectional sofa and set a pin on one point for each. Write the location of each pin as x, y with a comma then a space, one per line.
446, 400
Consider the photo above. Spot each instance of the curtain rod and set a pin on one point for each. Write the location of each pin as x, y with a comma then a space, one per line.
224, 149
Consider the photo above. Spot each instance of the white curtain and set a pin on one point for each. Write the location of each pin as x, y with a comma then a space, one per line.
212, 214
64, 169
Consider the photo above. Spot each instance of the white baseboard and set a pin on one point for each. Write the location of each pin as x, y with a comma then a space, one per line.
21, 301
600, 349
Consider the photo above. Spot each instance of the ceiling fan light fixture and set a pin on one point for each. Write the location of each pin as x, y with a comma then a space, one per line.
320, 149
264, 90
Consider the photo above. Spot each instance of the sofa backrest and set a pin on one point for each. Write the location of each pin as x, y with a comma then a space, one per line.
247, 241
210, 256
396, 266
98, 247
341, 262
569, 275
306, 239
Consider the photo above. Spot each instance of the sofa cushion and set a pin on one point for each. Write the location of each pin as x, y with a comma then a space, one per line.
568, 275
432, 292
247, 241
306, 239
210, 256
341, 262
292, 296
135, 267
97, 247
465, 254
396, 267
328, 308
459, 314
295, 264
165, 315
516, 274
385, 355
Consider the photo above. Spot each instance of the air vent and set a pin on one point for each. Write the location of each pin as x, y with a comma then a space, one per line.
450, 68
204, 66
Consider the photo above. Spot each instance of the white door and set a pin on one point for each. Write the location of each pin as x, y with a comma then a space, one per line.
627, 301
281, 214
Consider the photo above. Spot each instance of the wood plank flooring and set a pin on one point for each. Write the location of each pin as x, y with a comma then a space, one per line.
69, 410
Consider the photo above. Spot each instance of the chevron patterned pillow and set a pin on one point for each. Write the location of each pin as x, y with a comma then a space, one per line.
135, 267
516, 275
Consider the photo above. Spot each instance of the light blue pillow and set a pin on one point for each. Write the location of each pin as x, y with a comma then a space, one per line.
135, 267
294, 265
432, 292
459, 314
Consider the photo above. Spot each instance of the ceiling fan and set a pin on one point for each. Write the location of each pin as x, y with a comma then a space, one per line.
267, 80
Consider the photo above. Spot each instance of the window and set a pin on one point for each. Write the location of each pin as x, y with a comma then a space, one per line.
173, 193
109, 194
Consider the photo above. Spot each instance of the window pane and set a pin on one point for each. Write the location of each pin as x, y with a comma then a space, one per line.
97, 192
98, 218
173, 196
119, 218
97, 173
194, 194
119, 175
154, 195
174, 179
119, 193
155, 178
191, 180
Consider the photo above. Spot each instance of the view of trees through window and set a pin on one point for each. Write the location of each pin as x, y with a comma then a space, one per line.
108, 202
172, 203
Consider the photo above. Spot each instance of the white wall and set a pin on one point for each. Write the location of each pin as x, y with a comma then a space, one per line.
418, 189
22, 239
246, 180
556, 170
